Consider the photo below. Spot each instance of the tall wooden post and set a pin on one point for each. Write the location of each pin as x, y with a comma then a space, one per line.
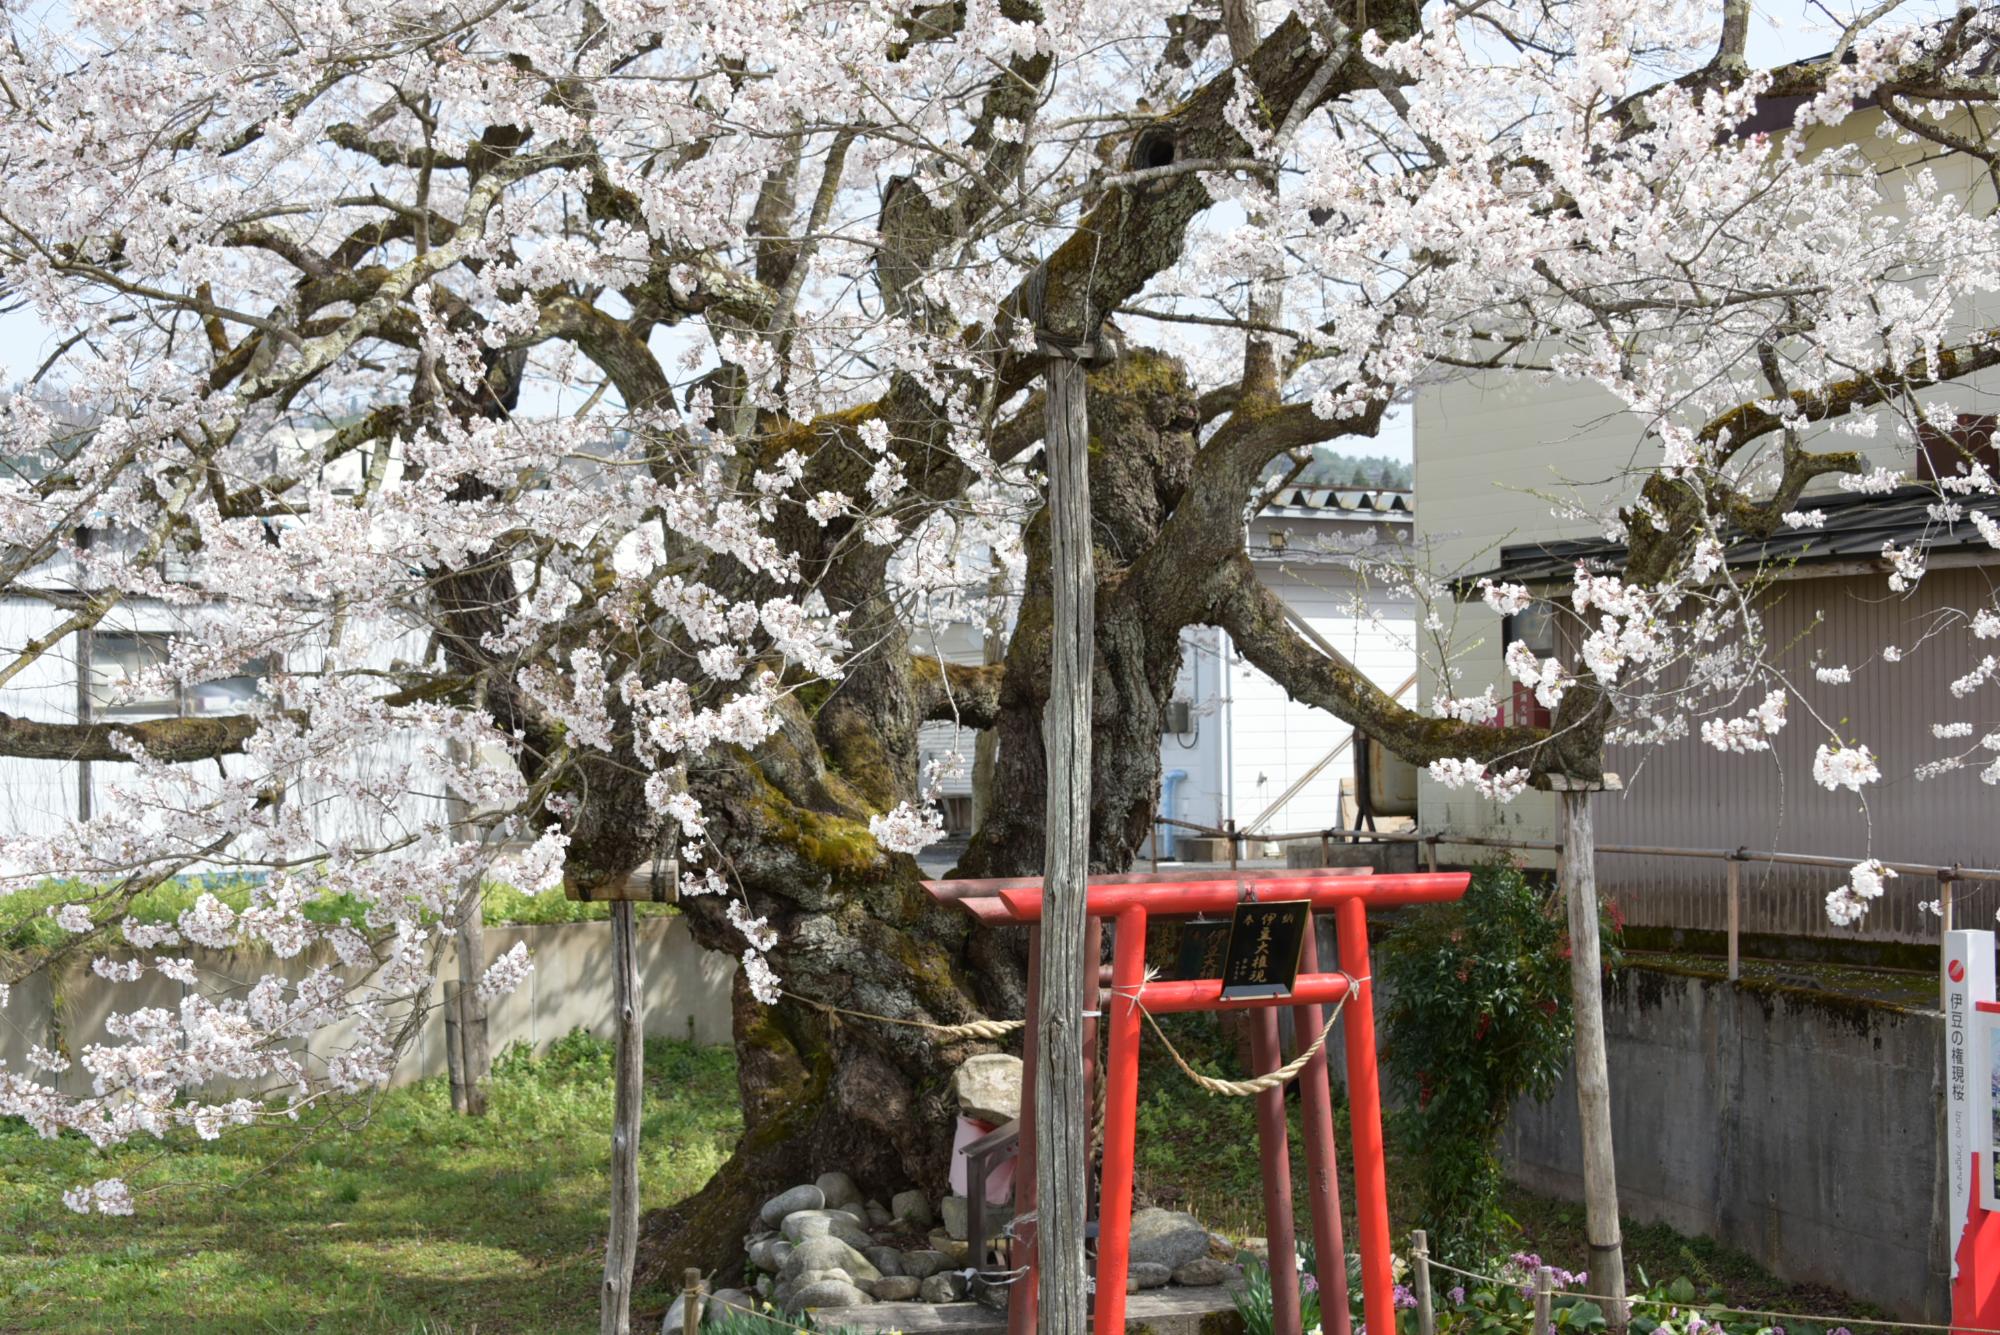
1735, 919
465, 1009
1593, 1077
1062, 1109
621, 1244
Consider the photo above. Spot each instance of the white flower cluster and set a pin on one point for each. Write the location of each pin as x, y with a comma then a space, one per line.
1752, 732
907, 828
1837, 765
1502, 787
1848, 904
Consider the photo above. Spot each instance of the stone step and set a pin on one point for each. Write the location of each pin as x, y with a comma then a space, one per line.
1155, 1312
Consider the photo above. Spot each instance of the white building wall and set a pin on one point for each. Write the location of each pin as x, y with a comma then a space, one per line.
1250, 741
41, 797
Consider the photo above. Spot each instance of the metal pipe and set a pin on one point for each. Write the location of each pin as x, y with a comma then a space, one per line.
1219, 896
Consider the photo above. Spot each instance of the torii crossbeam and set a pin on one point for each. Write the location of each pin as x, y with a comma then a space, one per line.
1129, 901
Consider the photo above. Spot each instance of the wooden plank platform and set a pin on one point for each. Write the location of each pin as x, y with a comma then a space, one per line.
1170, 1311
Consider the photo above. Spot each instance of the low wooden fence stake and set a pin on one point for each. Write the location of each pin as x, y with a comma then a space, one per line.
1420, 1248
1545, 1283
691, 1302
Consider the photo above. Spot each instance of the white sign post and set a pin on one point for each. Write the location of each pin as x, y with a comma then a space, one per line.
1968, 981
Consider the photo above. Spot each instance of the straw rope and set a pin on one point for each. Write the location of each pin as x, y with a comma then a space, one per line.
1240, 1089
1642, 1301
970, 1029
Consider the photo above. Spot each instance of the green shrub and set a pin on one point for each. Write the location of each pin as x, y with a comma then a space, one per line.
1477, 1015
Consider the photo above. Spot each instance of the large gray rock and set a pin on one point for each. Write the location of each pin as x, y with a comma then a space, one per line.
896, 1289
725, 1304
839, 1190
957, 1217
955, 1248
676, 1319
878, 1215
885, 1259
791, 1202
826, 1293
768, 1254
1203, 1272
1147, 1275
925, 1263
805, 1224
989, 1088
828, 1253
912, 1208
990, 1295
945, 1287
1167, 1237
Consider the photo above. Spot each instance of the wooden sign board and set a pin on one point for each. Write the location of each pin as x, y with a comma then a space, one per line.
1201, 949
1265, 941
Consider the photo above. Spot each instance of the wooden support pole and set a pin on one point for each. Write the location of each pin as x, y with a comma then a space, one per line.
1545, 1284
1420, 1256
1735, 919
1062, 1108
454, 1047
621, 1244
1593, 1080
691, 1302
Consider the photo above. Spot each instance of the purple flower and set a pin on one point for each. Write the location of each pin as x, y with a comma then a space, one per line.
1456, 1294
1403, 1298
1311, 1283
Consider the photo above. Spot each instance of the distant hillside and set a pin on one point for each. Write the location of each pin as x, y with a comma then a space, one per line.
1330, 468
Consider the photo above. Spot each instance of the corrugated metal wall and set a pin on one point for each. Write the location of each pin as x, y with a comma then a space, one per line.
1687, 794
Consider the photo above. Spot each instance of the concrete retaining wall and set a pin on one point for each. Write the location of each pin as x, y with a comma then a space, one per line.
1801, 1128
685, 989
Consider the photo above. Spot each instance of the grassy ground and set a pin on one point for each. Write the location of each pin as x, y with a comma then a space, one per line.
404, 1219
401, 1218
25, 923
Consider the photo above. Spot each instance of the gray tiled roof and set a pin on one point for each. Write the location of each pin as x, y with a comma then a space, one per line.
1856, 527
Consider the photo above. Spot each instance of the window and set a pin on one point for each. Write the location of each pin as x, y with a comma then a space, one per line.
117, 659
1535, 626
1942, 454
229, 695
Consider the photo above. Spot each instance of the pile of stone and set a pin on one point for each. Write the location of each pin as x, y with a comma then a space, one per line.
825, 1245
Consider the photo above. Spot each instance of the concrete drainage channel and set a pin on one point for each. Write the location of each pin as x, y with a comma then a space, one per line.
1157, 1312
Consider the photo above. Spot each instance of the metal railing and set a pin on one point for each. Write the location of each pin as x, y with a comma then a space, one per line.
1734, 858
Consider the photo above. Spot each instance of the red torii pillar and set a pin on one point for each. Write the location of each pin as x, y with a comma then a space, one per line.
1129, 900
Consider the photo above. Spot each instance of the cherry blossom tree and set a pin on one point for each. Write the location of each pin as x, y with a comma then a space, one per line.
654, 372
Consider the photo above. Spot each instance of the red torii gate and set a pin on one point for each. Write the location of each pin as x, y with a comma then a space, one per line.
1129, 900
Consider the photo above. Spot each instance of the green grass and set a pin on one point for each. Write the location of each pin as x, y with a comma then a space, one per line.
396, 1216
25, 923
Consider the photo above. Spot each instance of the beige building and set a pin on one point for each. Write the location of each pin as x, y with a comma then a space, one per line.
1497, 456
